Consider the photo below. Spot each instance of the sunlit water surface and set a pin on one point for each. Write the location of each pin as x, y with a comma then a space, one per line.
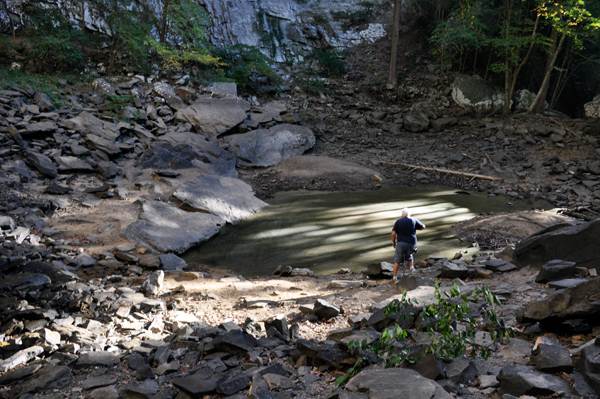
328, 231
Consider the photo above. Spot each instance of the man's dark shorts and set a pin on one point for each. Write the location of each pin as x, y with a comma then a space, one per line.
404, 252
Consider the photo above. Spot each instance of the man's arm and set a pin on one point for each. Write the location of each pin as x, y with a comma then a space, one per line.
420, 225
393, 239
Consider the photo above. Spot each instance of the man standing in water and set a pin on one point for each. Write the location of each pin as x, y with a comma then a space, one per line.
405, 234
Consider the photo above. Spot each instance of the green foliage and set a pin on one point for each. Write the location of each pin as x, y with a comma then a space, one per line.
356, 18
54, 38
448, 323
187, 23
270, 31
129, 28
329, 61
245, 65
43, 83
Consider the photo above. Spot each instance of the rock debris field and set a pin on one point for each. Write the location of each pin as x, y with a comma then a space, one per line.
94, 212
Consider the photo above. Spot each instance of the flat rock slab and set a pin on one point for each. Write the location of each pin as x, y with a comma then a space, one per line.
264, 148
243, 286
214, 116
86, 123
167, 228
396, 383
68, 164
344, 284
424, 295
92, 359
47, 378
179, 150
228, 198
566, 283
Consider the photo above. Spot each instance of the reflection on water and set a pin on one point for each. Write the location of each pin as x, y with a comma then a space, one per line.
327, 231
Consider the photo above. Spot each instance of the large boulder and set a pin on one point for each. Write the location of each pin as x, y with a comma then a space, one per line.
577, 302
188, 150
575, 242
214, 116
167, 228
230, 199
396, 383
477, 96
592, 109
264, 148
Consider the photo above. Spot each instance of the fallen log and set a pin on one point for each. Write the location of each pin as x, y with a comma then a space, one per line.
451, 172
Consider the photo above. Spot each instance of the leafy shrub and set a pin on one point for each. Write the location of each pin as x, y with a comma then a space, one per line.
440, 321
54, 38
331, 65
245, 65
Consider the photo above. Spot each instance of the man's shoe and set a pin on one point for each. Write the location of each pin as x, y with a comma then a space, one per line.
395, 278
412, 269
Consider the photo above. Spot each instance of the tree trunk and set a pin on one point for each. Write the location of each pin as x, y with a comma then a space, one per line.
163, 30
393, 75
537, 106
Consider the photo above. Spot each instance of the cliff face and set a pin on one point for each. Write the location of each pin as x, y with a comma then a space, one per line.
289, 28
282, 29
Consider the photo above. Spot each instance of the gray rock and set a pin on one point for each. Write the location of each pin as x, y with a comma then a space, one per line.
172, 262
40, 127
477, 96
188, 150
589, 365
18, 374
520, 380
16, 135
7, 223
21, 357
396, 383
42, 163
222, 89
555, 270
499, 266
103, 88
92, 359
154, 284
44, 102
516, 349
98, 143
230, 199
97, 382
567, 283
103, 393
410, 282
337, 284
325, 310
523, 100
462, 371
264, 148
68, 164
453, 270
576, 243
213, 116
416, 121
167, 228
167, 92
552, 359
48, 378
280, 324
379, 270
107, 169
86, 123
569, 303
442, 123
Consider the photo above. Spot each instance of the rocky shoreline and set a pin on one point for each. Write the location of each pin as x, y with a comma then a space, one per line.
93, 211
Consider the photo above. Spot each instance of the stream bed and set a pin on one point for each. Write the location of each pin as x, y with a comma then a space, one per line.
325, 231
